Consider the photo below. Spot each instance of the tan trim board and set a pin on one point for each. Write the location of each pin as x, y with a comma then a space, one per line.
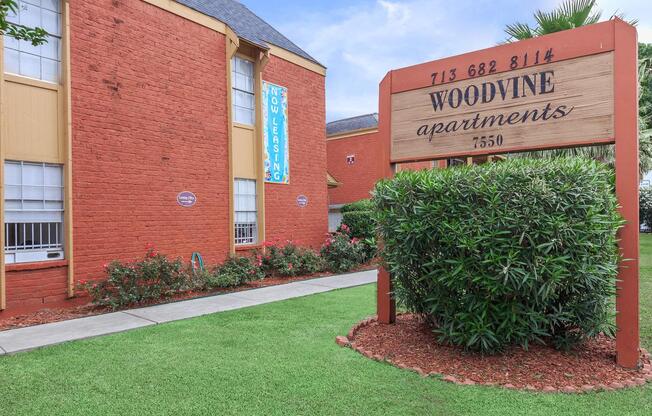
67, 96
352, 133
19, 79
296, 59
189, 14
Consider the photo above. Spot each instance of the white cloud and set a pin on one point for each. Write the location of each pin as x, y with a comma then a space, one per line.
359, 43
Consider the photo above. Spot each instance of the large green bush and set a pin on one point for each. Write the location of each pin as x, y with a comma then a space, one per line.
503, 254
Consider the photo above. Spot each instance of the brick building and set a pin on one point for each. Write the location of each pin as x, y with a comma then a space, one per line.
152, 121
353, 153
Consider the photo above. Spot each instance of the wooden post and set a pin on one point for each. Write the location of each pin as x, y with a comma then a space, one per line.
385, 303
627, 188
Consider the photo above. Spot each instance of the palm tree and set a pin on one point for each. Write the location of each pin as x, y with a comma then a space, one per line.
569, 15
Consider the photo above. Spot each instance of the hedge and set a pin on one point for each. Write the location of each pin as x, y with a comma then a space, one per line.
504, 254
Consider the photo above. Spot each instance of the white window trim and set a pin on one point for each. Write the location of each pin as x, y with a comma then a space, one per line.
43, 224
58, 37
235, 90
245, 232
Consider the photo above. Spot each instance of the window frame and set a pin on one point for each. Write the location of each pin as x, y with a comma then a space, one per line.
245, 232
235, 90
15, 46
23, 211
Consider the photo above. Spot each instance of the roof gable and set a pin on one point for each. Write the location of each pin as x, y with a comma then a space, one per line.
245, 24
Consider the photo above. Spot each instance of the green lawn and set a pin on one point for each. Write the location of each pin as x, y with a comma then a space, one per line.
276, 359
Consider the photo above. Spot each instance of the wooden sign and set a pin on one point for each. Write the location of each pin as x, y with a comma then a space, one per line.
534, 94
571, 88
553, 105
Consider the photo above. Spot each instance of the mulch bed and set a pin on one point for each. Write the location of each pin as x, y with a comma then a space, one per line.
410, 344
50, 315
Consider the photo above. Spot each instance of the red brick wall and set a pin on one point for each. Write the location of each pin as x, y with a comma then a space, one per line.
307, 118
149, 114
149, 121
416, 165
359, 178
35, 289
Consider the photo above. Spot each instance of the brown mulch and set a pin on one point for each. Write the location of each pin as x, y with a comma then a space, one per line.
50, 315
410, 343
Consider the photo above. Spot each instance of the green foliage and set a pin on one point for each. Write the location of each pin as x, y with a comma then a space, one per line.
358, 222
133, 283
503, 254
645, 206
570, 14
36, 35
361, 205
235, 271
290, 260
342, 253
645, 79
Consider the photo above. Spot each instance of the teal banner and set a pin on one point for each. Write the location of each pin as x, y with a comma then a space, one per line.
275, 133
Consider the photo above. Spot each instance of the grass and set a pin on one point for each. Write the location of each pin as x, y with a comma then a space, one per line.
275, 359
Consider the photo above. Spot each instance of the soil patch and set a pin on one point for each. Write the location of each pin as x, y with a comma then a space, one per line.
411, 344
50, 315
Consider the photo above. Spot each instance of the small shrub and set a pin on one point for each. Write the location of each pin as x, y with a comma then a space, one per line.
358, 222
290, 260
504, 254
361, 205
645, 206
151, 278
235, 271
342, 253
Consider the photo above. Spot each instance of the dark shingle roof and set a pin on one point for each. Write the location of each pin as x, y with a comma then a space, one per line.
367, 121
245, 24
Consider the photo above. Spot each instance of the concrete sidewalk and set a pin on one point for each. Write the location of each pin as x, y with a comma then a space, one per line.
25, 339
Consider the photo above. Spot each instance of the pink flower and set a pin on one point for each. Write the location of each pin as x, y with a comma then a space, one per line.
354, 240
290, 266
344, 227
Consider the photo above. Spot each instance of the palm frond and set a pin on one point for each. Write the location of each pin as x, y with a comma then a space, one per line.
551, 22
621, 16
580, 12
519, 31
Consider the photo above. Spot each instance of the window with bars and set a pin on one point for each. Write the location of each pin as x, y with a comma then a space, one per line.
21, 57
242, 83
33, 212
246, 220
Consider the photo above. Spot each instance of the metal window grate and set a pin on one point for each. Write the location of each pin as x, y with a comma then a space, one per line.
245, 233
33, 236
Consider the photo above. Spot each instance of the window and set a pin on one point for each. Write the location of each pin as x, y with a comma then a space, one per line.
39, 62
242, 81
246, 224
33, 212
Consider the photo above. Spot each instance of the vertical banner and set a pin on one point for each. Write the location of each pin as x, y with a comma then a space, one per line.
275, 133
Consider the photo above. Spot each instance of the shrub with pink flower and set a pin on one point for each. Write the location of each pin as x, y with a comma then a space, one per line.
342, 253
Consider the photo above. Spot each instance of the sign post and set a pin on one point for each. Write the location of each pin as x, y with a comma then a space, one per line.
567, 89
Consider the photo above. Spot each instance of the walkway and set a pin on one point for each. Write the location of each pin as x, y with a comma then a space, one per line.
25, 339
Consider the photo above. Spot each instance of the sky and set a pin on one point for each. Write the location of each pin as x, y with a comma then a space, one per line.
359, 41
